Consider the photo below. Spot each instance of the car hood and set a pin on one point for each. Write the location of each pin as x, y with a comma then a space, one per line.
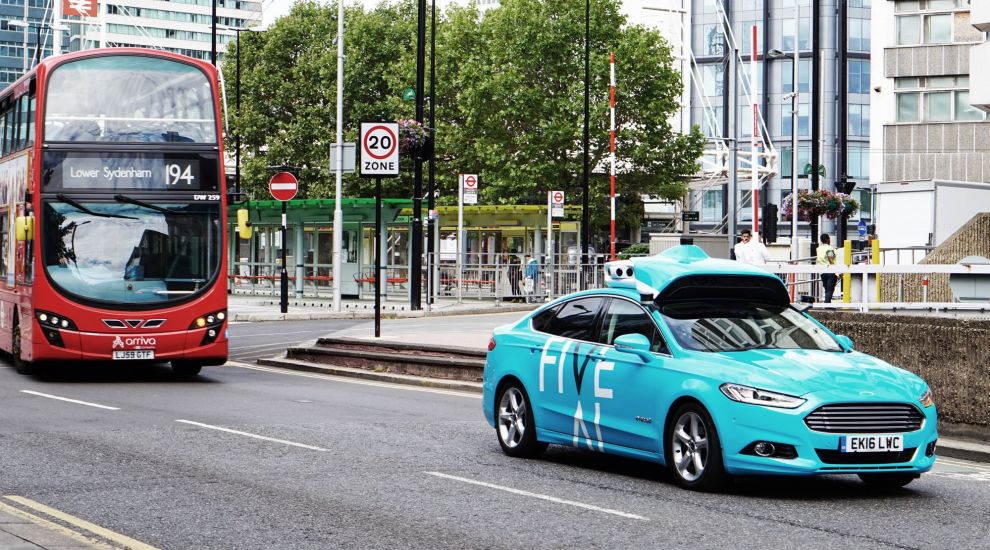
829, 375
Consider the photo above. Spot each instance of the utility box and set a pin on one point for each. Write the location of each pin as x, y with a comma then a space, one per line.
926, 213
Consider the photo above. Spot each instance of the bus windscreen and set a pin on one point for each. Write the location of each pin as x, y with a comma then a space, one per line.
129, 98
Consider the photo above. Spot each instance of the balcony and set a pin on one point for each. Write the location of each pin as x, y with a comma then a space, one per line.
979, 77
979, 15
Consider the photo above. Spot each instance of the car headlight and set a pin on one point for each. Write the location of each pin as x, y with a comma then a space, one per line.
927, 399
755, 396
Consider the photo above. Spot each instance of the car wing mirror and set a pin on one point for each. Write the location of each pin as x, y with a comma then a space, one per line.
635, 344
844, 341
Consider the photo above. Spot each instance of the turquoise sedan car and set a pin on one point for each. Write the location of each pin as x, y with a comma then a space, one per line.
704, 366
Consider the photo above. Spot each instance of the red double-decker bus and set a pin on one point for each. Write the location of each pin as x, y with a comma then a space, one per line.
112, 211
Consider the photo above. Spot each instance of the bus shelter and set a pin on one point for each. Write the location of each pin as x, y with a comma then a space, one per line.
255, 263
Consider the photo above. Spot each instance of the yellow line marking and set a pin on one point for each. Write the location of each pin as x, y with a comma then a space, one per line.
55, 527
123, 540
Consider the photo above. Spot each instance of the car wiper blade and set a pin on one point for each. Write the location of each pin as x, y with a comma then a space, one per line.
148, 205
78, 206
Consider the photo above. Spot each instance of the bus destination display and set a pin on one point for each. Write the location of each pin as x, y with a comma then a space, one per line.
133, 172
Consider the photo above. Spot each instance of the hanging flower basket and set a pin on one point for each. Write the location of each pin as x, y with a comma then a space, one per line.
813, 204
412, 136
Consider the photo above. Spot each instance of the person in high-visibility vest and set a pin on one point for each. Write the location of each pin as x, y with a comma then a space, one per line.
826, 256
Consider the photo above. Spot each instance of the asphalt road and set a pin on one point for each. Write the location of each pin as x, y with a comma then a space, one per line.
252, 341
249, 457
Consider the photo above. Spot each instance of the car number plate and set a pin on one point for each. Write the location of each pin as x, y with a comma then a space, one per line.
871, 443
134, 354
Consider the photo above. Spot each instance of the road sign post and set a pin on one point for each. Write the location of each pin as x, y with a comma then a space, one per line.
283, 187
467, 194
379, 158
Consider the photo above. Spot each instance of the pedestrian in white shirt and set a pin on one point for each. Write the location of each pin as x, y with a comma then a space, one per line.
750, 250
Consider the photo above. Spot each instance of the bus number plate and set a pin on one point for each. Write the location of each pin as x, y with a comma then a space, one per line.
134, 354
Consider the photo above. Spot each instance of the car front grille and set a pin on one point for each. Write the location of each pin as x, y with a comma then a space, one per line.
858, 418
832, 456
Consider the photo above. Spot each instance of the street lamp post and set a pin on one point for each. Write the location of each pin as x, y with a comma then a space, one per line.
17, 23
795, 103
237, 103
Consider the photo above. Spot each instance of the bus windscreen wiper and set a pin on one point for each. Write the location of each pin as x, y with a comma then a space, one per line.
148, 205
78, 206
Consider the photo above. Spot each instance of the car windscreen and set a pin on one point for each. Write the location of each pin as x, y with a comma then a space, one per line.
736, 325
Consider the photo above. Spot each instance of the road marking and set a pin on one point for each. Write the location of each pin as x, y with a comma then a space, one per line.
67, 400
982, 468
539, 496
346, 380
118, 540
255, 436
273, 334
276, 345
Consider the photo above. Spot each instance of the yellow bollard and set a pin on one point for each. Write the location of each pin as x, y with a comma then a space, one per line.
875, 256
847, 249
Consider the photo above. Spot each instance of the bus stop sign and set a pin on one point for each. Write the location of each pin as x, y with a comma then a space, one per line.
283, 186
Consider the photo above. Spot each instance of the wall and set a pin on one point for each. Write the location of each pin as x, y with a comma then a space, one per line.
952, 355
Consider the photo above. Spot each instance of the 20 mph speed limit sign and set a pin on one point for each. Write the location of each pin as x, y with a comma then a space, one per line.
379, 149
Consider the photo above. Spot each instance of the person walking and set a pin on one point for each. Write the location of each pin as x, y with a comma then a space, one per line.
532, 278
515, 276
826, 257
750, 250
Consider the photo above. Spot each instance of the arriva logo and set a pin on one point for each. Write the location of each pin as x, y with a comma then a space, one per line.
119, 342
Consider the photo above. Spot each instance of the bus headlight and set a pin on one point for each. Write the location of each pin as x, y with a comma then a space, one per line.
50, 320
210, 320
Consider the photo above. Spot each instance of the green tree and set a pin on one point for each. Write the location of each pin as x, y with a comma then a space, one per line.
510, 100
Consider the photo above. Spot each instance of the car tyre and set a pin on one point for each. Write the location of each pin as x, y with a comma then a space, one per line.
514, 423
887, 481
183, 368
20, 365
693, 451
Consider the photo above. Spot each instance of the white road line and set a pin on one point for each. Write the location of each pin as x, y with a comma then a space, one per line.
272, 334
359, 381
67, 400
539, 496
943, 461
255, 436
283, 345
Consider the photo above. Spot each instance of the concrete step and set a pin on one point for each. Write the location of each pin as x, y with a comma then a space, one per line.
394, 378
424, 360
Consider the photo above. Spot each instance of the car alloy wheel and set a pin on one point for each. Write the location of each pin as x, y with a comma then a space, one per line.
689, 446
516, 428
694, 452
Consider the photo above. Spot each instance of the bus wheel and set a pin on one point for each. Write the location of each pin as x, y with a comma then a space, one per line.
20, 365
184, 368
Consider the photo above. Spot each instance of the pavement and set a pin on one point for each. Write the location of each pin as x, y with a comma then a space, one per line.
262, 308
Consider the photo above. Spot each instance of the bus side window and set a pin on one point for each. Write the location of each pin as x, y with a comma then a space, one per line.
22, 122
9, 129
32, 104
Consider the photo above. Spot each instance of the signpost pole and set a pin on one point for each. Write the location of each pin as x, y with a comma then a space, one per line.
284, 286
549, 245
378, 258
338, 214
460, 235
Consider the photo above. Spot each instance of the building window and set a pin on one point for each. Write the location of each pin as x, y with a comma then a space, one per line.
711, 205
859, 35
746, 36
804, 120
859, 77
804, 159
858, 159
787, 34
934, 99
859, 120
713, 39
918, 26
713, 82
787, 74
938, 29
860, 3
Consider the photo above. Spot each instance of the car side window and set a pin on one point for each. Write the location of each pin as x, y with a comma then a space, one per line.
576, 319
624, 317
541, 321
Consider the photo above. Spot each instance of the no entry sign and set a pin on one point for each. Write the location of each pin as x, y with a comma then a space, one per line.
283, 186
379, 149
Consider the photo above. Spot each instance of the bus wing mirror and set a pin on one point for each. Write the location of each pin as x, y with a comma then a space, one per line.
24, 228
244, 228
